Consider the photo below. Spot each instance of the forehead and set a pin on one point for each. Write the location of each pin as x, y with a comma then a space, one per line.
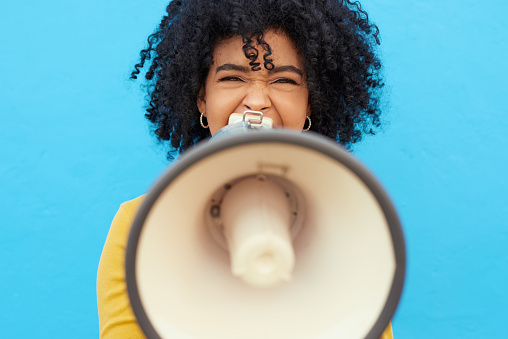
283, 49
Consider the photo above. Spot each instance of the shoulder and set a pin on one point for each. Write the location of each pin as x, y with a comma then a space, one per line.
118, 234
122, 222
131, 207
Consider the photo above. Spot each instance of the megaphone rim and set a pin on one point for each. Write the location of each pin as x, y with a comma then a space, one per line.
308, 140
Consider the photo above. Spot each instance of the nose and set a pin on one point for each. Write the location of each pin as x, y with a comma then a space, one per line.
257, 98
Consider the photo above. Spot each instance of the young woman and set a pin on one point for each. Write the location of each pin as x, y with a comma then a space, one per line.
306, 64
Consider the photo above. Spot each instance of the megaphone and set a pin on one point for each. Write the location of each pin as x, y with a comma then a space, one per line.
273, 234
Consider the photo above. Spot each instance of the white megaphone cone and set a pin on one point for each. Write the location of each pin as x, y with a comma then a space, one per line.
268, 234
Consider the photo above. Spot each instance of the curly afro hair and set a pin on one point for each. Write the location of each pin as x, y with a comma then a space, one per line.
334, 37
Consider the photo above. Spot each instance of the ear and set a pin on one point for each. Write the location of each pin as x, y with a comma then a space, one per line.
309, 111
201, 101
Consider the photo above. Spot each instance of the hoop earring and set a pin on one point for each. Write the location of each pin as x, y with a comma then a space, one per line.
308, 127
201, 120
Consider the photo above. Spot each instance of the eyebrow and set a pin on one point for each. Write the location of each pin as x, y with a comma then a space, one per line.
243, 69
231, 67
287, 68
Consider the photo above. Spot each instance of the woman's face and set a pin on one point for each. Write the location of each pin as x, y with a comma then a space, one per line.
233, 87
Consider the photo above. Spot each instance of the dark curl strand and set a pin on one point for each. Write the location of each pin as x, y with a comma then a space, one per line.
334, 37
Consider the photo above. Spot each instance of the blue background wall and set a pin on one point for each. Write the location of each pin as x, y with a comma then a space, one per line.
74, 145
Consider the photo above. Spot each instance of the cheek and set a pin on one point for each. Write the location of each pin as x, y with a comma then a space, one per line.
293, 111
217, 120
218, 109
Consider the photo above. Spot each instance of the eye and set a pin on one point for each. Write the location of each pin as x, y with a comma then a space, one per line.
285, 81
230, 78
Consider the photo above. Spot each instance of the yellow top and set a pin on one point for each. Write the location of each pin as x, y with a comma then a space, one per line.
116, 318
